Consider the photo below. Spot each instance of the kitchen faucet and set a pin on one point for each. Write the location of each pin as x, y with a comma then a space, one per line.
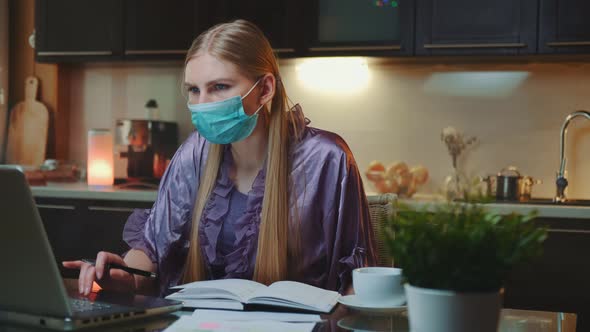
561, 181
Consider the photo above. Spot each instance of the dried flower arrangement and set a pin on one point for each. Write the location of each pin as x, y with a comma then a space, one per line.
455, 142
456, 185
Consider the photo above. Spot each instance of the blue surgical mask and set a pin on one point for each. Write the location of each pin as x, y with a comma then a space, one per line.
224, 122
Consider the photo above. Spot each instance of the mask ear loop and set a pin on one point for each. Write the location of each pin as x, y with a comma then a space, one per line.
247, 93
258, 110
252, 88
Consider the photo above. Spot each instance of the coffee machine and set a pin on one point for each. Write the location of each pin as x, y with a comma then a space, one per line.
143, 149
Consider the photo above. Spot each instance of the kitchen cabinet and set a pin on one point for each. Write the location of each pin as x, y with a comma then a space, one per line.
74, 30
465, 27
558, 281
159, 29
564, 26
281, 21
80, 228
84, 30
364, 27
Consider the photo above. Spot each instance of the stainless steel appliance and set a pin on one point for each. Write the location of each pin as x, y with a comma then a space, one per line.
143, 149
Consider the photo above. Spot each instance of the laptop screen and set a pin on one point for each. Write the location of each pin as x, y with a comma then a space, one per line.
30, 280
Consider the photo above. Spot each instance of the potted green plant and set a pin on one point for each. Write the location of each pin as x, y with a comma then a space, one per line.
455, 258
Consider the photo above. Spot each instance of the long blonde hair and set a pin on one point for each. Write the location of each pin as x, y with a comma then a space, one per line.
243, 44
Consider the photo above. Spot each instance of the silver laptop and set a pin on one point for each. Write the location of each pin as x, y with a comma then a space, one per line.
32, 291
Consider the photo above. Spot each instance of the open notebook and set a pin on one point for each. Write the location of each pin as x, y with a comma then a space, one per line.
237, 294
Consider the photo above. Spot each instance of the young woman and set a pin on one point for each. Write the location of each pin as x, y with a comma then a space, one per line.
253, 193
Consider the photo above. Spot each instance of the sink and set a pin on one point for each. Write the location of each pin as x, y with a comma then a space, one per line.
549, 201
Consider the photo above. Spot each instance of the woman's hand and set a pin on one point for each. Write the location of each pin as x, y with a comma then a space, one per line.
111, 279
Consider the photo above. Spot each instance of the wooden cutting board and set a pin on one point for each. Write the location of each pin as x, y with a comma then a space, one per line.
27, 129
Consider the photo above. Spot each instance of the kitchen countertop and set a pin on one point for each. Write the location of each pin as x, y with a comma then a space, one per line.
81, 190
543, 210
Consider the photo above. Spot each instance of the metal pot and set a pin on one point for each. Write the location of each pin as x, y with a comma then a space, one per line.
510, 185
507, 184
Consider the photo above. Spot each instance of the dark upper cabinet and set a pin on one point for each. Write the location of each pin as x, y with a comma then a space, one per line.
564, 26
85, 30
159, 29
78, 29
89, 30
382, 27
280, 21
476, 27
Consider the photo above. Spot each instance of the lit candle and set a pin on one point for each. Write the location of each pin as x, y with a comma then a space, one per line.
100, 157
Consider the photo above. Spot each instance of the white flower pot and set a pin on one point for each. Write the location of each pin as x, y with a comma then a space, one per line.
433, 310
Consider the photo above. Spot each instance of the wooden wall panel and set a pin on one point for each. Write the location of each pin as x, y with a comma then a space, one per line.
52, 87
22, 60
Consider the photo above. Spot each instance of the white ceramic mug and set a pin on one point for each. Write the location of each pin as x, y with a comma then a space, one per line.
379, 285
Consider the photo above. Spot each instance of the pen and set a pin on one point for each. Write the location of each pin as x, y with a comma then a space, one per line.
131, 270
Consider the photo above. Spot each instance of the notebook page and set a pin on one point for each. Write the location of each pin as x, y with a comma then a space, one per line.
299, 293
213, 304
254, 315
241, 288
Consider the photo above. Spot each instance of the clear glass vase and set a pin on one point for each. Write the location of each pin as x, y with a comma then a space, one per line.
455, 186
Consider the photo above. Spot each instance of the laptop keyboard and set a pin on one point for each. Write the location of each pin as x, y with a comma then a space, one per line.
82, 305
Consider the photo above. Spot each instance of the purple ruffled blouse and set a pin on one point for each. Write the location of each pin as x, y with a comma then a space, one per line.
335, 232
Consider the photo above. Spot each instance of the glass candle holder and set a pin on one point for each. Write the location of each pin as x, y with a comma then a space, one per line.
100, 158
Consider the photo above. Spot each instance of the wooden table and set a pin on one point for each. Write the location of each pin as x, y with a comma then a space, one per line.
343, 319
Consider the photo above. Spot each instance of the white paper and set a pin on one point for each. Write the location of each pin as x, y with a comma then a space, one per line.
299, 293
190, 324
241, 288
225, 315
213, 304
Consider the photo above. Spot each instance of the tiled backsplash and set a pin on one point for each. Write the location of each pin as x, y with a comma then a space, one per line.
396, 112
